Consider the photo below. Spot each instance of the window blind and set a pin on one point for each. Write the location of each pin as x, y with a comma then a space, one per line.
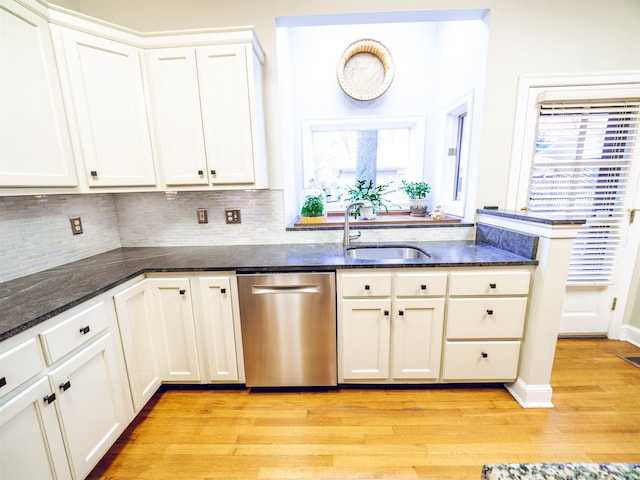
583, 166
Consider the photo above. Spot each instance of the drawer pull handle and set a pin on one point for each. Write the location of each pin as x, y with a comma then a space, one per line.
182, 291
200, 172
94, 173
485, 354
423, 287
3, 381
85, 330
65, 386
223, 290
367, 287
50, 398
489, 311
493, 285
401, 312
386, 313
213, 172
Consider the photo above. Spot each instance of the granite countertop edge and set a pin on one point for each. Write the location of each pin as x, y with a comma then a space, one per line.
28, 301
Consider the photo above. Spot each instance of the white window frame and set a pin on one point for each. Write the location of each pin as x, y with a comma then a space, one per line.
416, 125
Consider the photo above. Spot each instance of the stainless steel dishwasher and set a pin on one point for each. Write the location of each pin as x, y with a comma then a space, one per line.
288, 325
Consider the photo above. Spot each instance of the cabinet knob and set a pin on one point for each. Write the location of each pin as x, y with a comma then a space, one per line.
94, 173
400, 312
423, 287
367, 287
386, 313
3, 381
223, 290
49, 399
182, 291
213, 172
84, 330
493, 285
484, 354
200, 172
65, 386
489, 311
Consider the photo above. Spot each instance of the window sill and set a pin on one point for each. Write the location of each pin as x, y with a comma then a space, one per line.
335, 221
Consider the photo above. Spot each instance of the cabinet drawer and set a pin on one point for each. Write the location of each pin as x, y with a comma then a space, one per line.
486, 317
73, 332
22, 362
467, 361
490, 282
421, 284
365, 284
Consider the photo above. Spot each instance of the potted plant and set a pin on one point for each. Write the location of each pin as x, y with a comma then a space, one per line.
417, 192
366, 190
313, 206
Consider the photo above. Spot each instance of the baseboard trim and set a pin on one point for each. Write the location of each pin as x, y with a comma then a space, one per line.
630, 334
530, 396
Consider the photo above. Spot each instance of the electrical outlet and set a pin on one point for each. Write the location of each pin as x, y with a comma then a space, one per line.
202, 215
76, 225
232, 215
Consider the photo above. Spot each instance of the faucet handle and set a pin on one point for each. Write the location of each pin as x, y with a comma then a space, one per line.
355, 235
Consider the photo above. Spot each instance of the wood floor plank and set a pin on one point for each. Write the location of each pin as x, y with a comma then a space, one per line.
386, 433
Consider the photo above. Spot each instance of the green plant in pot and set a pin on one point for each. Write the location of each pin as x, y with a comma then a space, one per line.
366, 190
313, 206
417, 192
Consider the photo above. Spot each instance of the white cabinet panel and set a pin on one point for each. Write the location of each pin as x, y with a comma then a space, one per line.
487, 317
490, 282
137, 327
19, 364
174, 327
365, 338
35, 147
417, 338
30, 438
92, 410
177, 115
481, 361
219, 330
109, 102
226, 114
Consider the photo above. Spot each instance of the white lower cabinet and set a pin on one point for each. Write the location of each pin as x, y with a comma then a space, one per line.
93, 412
69, 399
32, 445
220, 329
389, 326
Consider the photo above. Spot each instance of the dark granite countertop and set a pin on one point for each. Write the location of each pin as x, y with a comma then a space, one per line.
27, 301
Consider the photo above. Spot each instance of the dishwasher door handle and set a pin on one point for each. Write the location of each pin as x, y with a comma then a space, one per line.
267, 289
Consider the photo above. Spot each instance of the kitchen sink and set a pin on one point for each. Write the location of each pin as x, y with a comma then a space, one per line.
387, 252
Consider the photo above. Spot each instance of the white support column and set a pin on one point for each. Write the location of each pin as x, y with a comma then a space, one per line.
532, 388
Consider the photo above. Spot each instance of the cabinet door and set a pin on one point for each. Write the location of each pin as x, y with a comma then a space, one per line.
138, 339
177, 116
109, 100
417, 338
218, 326
32, 445
226, 113
364, 338
91, 407
35, 148
175, 342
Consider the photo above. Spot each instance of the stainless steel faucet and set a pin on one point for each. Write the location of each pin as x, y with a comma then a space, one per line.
347, 236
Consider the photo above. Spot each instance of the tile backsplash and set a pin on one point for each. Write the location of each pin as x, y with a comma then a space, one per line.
36, 234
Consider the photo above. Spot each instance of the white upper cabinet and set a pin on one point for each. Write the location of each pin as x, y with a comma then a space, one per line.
35, 147
108, 98
207, 109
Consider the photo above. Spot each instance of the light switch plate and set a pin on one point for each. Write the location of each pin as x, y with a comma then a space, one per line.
202, 215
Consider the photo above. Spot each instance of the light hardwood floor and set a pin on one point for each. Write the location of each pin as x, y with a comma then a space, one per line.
433, 433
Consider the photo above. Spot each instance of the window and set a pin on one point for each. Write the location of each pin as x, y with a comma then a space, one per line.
582, 165
337, 153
